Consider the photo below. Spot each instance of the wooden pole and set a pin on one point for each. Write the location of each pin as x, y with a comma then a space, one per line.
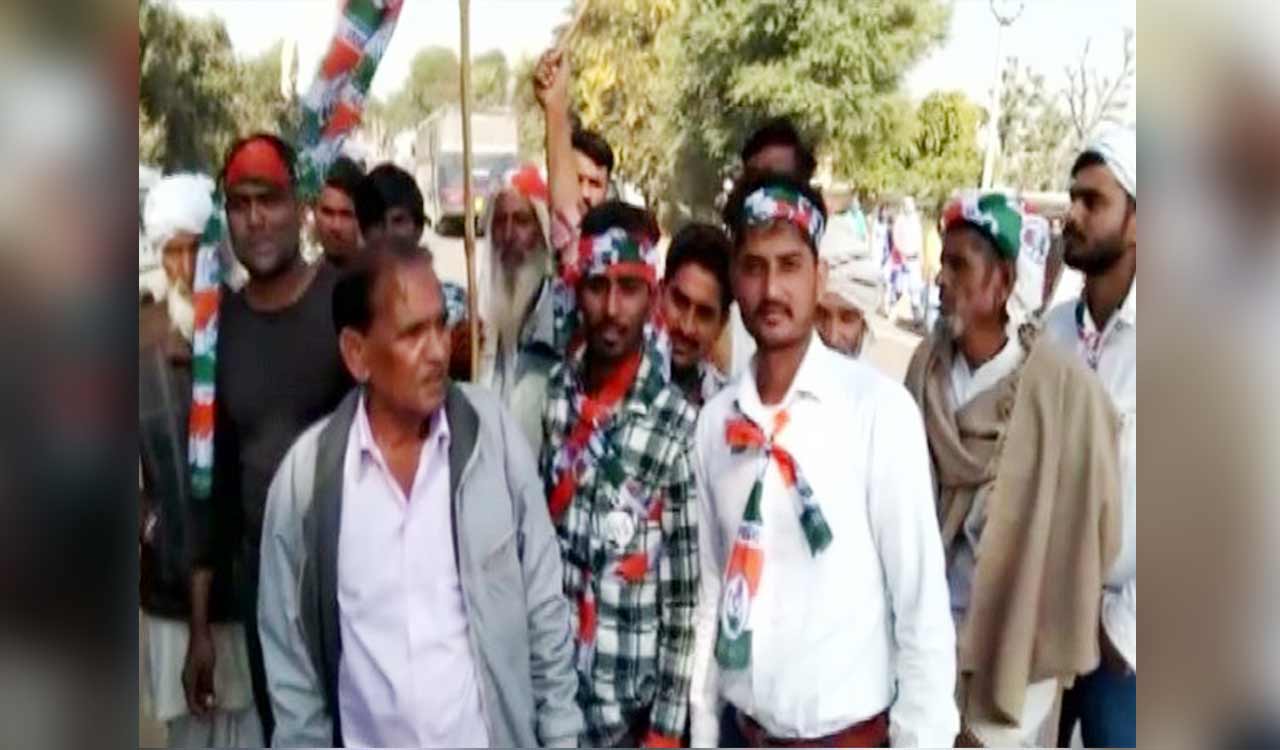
469, 209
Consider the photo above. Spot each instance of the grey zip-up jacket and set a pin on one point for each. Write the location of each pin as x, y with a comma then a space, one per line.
508, 564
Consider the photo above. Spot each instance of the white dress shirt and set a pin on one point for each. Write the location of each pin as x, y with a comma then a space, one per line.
862, 627
1117, 367
406, 677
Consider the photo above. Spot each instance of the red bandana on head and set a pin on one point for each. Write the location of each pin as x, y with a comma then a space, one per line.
259, 161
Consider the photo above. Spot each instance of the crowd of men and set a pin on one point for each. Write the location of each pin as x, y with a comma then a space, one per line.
608, 539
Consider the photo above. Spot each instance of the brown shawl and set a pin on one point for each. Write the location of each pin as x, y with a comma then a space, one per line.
1044, 441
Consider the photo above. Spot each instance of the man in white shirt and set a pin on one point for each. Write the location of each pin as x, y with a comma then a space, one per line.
1023, 446
823, 611
1101, 328
411, 583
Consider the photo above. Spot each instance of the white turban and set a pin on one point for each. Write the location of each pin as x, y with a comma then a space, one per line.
1119, 150
177, 203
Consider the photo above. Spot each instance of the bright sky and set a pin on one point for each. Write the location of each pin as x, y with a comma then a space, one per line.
1049, 35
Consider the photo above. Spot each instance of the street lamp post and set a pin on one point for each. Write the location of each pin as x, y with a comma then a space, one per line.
1005, 12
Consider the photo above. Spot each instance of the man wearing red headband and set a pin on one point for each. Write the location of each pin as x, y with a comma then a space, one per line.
278, 370
620, 488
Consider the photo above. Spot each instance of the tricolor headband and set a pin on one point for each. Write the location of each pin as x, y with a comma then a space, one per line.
616, 249
780, 203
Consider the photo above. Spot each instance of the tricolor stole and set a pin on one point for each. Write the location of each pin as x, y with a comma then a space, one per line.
206, 292
335, 102
746, 559
780, 203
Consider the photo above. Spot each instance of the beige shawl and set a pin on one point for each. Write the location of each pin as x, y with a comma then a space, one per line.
1044, 442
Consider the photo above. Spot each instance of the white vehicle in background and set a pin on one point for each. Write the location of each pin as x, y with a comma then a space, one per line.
438, 158
151, 280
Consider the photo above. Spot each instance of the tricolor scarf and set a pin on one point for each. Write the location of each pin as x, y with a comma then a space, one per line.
336, 100
330, 110
584, 446
746, 559
780, 203
206, 292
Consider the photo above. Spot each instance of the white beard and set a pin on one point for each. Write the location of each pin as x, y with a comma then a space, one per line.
511, 293
182, 311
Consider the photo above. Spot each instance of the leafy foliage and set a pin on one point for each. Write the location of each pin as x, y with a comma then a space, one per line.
833, 67
195, 98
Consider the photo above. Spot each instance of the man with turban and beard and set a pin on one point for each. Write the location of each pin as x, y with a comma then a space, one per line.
518, 345
174, 215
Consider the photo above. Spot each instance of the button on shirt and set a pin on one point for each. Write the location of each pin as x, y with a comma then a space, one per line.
1113, 355
862, 627
407, 677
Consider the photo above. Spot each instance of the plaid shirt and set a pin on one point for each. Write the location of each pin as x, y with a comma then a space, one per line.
644, 636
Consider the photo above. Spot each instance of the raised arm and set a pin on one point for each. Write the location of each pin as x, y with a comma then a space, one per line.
551, 87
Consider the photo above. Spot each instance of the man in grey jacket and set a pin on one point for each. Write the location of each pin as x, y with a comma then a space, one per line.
410, 592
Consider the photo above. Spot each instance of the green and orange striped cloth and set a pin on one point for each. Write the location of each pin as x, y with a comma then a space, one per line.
746, 559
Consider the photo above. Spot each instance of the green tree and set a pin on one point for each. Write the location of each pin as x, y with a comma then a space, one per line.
433, 82
259, 102
943, 153
188, 75
195, 97
623, 59
529, 120
1034, 132
833, 67
490, 78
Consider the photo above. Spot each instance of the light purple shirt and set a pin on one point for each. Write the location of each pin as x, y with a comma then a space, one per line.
406, 677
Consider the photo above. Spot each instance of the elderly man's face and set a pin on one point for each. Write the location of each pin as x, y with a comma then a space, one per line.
974, 284
516, 233
840, 324
178, 256
404, 356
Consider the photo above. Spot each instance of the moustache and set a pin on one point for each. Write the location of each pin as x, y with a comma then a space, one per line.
774, 307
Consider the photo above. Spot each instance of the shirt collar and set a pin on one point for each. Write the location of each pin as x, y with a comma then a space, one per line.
815, 379
367, 447
1127, 314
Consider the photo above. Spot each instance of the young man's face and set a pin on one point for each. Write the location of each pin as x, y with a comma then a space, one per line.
776, 282
516, 234
615, 306
593, 182
404, 356
264, 221
1101, 225
840, 324
973, 285
692, 309
336, 226
178, 256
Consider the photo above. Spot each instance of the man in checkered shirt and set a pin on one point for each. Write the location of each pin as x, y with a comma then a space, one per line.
621, 491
